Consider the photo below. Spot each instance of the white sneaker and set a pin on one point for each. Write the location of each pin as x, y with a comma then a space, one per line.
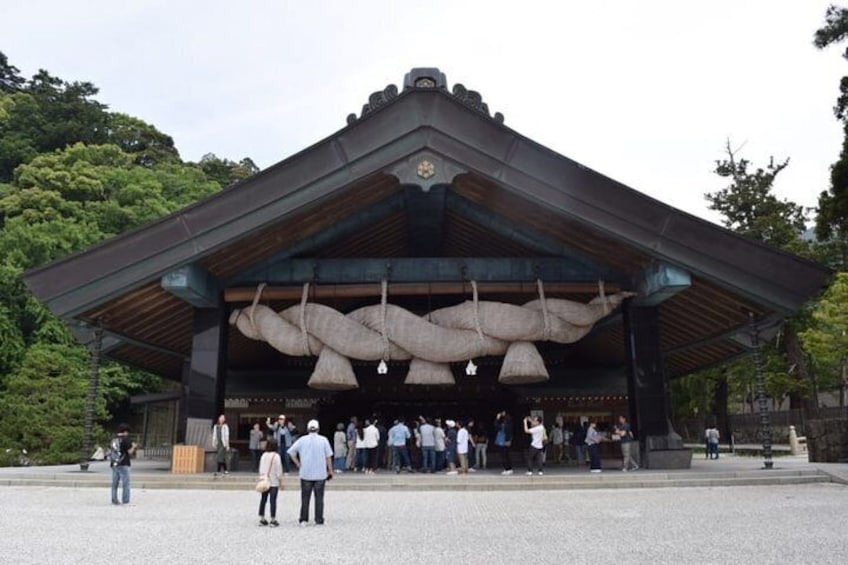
624, 469
472, 470
452, 473
509, 472
594, 470
541, 473
529, 473
635, 467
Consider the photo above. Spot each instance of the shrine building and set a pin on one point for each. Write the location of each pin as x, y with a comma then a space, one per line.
427, 259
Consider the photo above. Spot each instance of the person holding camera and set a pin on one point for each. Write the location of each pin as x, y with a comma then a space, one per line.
533, 426
121, 465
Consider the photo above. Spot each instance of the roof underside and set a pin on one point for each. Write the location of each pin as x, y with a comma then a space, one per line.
504, 184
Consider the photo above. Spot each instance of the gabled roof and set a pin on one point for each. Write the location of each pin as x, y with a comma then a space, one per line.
489, 169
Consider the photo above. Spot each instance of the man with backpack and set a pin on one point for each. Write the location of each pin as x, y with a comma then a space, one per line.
119, 458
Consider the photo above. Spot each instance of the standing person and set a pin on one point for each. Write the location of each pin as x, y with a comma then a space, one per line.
121, 464
472, 444
370, 439
339, 448
579, 441
381, 447
221, 443
439, 446
253, 445
503, 439
398, 436
481, 446
566, 443
350, 433
314, 459
450, 446
428, 445
361, 458
282, 433
462, 441
593, 441
713, 438
534, 427
270, 466
558, 441
707, 448
625, 435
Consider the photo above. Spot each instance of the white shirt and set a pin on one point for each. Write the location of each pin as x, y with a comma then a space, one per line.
439, 436
271, 465
536, 433
462, 441
340, 443
370, 437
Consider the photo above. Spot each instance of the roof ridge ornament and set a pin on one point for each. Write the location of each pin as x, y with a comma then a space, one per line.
474, 100
425, 78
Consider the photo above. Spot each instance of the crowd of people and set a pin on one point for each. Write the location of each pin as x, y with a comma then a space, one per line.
424, 444
430, 445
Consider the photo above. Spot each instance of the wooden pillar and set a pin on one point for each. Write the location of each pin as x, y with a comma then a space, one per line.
646, 382
204, 377
647, 385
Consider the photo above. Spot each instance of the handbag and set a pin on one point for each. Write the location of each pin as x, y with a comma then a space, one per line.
263, 484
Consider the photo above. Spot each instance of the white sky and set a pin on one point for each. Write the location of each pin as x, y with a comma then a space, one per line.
645, 92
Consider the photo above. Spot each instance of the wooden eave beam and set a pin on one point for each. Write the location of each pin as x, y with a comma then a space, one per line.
411, 289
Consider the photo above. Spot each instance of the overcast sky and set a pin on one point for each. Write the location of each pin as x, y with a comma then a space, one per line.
646, 92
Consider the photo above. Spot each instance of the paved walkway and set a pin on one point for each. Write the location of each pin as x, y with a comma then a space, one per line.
751, 525
727, 470
512, 519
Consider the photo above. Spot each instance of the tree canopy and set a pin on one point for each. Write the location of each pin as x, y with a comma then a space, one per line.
72, 174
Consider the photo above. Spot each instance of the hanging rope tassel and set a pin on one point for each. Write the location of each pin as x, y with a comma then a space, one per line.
546, 316
303, 332
604, 300
384, 294
477, 325
256, 298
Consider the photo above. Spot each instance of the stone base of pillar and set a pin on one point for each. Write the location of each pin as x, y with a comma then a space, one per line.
666, 452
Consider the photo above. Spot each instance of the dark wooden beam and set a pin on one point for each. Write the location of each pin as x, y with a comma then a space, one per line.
424, 269
411, 289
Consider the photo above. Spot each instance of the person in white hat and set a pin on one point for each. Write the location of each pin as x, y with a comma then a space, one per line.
313, 456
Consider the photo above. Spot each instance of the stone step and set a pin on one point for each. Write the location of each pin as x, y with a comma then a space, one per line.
611, 480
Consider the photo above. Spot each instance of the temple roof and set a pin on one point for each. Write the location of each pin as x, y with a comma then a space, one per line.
427, 173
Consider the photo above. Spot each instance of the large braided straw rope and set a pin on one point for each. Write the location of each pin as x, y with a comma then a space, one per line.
457, 333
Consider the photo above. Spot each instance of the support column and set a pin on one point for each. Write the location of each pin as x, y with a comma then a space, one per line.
204, 377
661, 447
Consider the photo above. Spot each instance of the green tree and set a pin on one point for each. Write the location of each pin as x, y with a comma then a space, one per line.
827, 336
750, 208
10, 76
71, 175
832, 219
226, 172
145, 143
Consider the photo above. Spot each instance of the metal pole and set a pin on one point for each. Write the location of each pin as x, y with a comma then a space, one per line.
765, 420
91, 397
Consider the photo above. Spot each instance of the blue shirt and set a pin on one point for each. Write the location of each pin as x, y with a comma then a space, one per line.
312, 450
398, 435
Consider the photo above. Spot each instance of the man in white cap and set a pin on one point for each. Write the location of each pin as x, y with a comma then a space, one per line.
314, 458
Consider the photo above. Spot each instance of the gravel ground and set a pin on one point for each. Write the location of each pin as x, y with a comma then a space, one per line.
726, 525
